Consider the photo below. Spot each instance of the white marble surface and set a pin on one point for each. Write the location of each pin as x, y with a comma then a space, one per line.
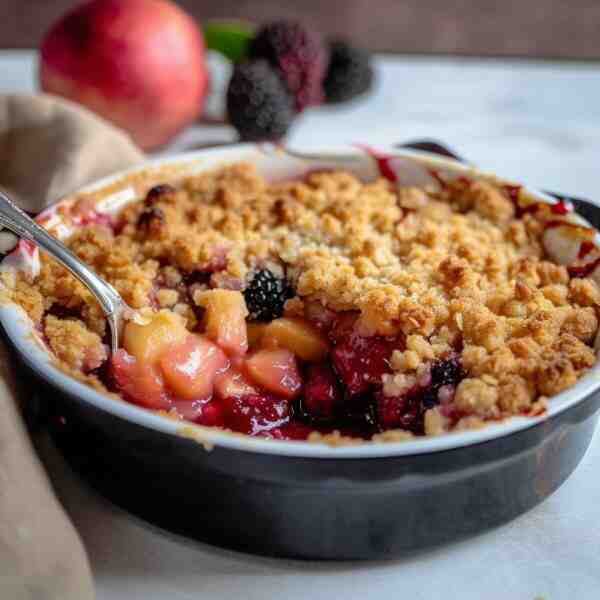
537, 122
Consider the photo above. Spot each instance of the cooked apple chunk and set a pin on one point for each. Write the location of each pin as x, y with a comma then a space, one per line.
298, 336
276, 370
146, 342
190, 368
225, 319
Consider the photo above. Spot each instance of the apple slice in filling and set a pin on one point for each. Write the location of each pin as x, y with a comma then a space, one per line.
138, 382
276, 370
225, 319
190, 367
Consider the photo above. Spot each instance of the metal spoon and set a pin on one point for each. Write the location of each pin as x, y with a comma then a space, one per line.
113, 306
335, 156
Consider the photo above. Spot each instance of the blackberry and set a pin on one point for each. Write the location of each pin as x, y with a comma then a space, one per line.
446, 372
407, 411
360, 362
60, 311
258, 104
266, 294
149, 217
151, 222
349, 74
159, 192
299, 57
443, 372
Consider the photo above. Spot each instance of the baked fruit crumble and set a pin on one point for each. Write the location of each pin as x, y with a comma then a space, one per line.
327, 308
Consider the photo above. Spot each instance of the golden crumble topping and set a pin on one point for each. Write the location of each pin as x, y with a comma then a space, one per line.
74, 344
454, 271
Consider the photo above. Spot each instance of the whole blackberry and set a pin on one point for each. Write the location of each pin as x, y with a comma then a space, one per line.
258, 104
299, 56
159, 192
266, 294
443, 372
446, 372
349, 74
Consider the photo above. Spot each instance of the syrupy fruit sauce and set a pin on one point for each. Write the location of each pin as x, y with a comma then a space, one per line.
585, 248
383, 160
342, 393
584, 270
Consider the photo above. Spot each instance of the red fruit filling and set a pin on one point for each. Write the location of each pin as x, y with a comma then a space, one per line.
255, 414
291, 431
342, 326
84, 213
190, 411
202, 412
322, 393
407, 410
272, 392
361, 361
401, 412
212, 415
94, 218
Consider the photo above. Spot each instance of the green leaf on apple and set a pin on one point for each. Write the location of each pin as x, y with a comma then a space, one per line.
230, 38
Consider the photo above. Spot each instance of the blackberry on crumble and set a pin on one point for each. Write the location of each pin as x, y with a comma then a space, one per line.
266, 295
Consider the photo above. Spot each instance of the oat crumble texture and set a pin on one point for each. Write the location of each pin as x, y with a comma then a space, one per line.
480, 324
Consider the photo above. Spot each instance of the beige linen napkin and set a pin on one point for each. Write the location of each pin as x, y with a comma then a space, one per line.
48, 148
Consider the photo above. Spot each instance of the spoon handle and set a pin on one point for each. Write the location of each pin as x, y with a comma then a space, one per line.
14, 219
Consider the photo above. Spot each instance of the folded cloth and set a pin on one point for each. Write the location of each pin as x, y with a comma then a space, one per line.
48, 148
41, 555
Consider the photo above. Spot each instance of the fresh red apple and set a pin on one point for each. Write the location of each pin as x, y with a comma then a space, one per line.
137, 63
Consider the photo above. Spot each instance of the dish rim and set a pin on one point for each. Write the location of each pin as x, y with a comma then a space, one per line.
19, 330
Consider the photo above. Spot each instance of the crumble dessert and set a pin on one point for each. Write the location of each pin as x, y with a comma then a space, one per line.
327, 308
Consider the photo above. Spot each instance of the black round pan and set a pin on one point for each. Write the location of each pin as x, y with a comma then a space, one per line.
319, 508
